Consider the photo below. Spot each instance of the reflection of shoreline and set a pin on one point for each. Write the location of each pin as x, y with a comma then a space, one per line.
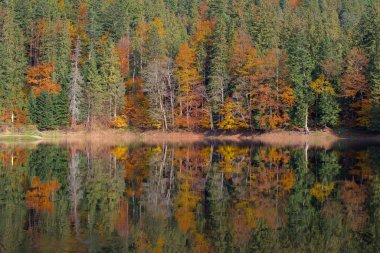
325, 139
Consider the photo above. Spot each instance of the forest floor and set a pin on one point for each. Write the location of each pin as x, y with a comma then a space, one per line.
322, 138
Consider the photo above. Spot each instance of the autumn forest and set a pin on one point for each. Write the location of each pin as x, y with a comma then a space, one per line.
190, 64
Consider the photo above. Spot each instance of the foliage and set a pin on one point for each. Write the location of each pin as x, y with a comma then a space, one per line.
178, 64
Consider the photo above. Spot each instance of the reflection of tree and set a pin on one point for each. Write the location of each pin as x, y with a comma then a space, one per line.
233, 159
300, 210
218, 217
189, 198
104, 188
269, 182
38, 197
328, 168
13, 176
75, 188
354, 197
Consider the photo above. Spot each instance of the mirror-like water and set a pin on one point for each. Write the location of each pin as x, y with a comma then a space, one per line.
189, 198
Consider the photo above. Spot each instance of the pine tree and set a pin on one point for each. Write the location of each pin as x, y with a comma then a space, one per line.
300, 67
112, 81
95, 91
375, 91
42, 111
218, 77
12, 66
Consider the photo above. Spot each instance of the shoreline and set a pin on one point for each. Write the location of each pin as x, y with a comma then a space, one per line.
321, 138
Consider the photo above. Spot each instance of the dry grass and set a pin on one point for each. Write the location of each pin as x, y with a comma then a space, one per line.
114, 137
111, 137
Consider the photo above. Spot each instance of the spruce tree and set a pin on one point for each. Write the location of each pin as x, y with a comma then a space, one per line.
42, 111
300, 67
218, 77
12, 65
112, 81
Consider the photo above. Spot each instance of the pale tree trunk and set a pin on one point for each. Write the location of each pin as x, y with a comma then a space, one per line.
13, 120
306, 120
115, 108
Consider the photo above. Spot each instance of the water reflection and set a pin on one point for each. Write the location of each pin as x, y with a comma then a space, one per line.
189, 198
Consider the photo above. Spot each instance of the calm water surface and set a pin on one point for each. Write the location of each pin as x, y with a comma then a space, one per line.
189, 198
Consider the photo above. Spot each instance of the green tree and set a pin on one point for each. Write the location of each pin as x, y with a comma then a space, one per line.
300, 65
112, 81
218, 76
12, 66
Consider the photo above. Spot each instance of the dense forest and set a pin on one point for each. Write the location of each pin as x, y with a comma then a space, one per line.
190, 64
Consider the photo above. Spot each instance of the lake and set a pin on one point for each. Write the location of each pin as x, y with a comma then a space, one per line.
199, 197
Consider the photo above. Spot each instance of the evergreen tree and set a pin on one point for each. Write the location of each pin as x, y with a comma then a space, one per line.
300, 67
12, 66
94, 92
218, 77
42, 111
112, 81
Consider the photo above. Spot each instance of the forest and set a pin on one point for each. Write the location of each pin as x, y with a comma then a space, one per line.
190, 64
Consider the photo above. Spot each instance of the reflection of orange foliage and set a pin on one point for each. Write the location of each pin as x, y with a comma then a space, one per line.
193, 161
354, 197
187, 201
136, 169
294, 3
38, 197
269, 182
234, 159
321, 191
122, 223
159, 245
273, 171
15, 157
287, 180
363, 166
120, 152
157, 22
40, 79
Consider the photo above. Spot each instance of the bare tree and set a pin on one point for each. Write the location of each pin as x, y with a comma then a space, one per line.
159, 86
75, 86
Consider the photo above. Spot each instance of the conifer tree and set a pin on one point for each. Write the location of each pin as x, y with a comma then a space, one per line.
218, 77
112, 81
300, 67
12, 66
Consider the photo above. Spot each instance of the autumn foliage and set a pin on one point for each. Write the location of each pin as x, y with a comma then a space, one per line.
40, 78
39, 195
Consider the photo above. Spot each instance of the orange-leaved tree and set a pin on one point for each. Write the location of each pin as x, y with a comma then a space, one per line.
356, 89
192, 93
40, 78
136, 104
234, 116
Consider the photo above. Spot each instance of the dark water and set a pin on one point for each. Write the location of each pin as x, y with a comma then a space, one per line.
189, 198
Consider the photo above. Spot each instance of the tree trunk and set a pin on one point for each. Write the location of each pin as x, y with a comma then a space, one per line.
306, 119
